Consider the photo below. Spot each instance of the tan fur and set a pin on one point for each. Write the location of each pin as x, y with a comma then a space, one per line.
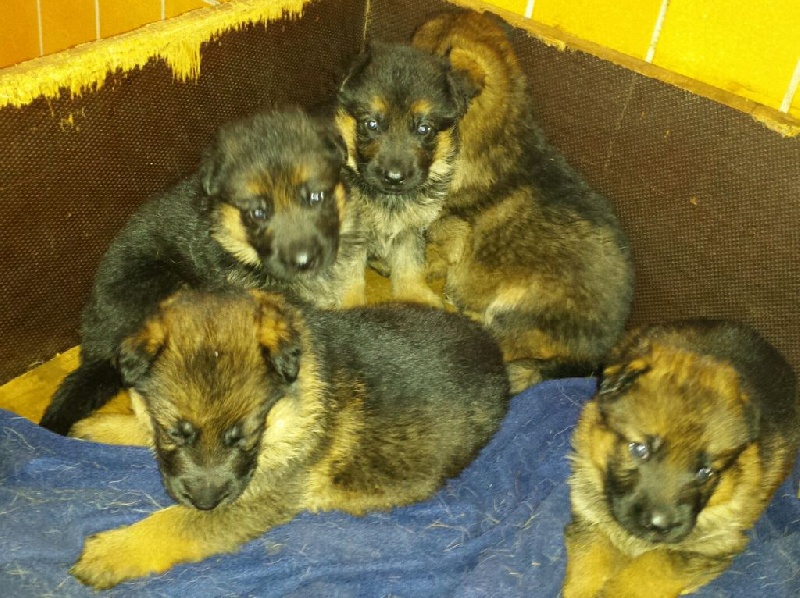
231, 235
214, 361
694, 404
133, 429
346, 126
548, 268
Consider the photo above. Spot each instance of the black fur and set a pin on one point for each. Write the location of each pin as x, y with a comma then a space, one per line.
170, 243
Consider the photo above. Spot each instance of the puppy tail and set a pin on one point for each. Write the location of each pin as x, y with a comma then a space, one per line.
89, 387
523, 373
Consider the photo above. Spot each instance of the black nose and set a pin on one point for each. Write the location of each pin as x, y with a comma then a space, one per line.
660, 520
394, 176
204, 495
301, 257
304, 260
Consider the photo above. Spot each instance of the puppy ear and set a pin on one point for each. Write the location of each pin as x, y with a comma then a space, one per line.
214, 164
336, 142
356, 68
463, 87
138, 352
618, 377
278, 325
331, 137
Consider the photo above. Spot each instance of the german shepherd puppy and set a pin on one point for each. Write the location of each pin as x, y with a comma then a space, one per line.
524, 244
258, 411
694, 427
265, 210
397, 111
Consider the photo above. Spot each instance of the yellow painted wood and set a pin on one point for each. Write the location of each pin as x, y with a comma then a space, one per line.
622, 25
67, 23
795, 107
29, 394
173, 8
750, 48
177, 41
20, 17
119, 16
515, 6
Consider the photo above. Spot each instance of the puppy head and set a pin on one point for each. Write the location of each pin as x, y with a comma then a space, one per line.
209, 368
678, 420
398, 112
275, 194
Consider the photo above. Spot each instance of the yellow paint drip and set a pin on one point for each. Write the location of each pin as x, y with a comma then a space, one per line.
177, 41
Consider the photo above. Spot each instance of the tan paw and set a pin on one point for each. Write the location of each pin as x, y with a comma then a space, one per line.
125, 553
112, 428
109, 558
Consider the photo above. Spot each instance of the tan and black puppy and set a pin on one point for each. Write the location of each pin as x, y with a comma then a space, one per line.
257, 411
525, 246
694, 427
265, 210
397, 111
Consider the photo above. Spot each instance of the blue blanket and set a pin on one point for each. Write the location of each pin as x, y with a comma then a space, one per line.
495, 531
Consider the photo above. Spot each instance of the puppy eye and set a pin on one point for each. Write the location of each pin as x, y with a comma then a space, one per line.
639, 451
184, 433
258, 214
316, 197
424, 129
371, 124
704, 473
233, 436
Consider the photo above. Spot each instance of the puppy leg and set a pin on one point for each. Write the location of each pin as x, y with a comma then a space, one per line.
591, 560
408, 270
134, 429
353, 287
447, 240
662, 574
171, 536
112, 428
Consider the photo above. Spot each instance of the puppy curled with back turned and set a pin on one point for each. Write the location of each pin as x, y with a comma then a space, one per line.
257, 411
266, 210
397, 111
524, 245
694, 426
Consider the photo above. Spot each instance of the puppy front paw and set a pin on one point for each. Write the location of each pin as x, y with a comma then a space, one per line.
109, 558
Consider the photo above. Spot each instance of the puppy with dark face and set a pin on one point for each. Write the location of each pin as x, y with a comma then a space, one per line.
279, 211
694, 426
523, 244
265, 210
397, 111
257, 411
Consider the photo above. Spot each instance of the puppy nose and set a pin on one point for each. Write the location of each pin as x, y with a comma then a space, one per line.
661, 520
394, 176
204, 495
300, 256
304, 259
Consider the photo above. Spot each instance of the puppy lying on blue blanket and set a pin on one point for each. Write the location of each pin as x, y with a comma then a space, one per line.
258, 411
